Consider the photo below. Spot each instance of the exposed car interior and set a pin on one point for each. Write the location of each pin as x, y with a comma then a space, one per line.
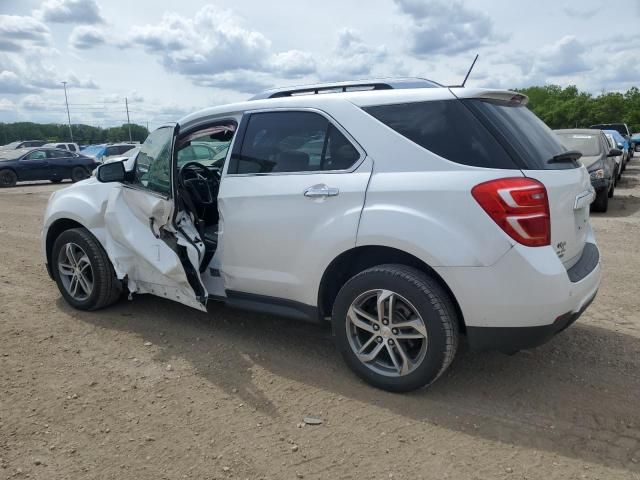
200, 158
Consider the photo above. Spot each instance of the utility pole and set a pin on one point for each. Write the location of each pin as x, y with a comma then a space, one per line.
66, 100
126, 104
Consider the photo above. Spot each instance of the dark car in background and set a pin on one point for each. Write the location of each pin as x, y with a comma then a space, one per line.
52, 164
23, 144
599, 159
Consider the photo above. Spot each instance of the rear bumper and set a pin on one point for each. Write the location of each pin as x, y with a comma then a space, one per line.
525, 298
513, 339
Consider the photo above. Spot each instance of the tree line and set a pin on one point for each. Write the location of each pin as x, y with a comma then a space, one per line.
570, 108
82, 134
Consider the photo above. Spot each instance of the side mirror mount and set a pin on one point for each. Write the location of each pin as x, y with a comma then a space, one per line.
111, 172
614, 152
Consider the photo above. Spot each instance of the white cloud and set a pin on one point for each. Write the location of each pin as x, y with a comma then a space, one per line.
7, 105
293, 63
70, 11
18, 33
351, 58
438, 27
244, 81
10, 82
84, 37
214, 41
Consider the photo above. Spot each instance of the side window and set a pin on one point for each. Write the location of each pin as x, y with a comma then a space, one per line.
37, 155
447, 128
72, 147
60, 145
276, 142
55, 154
153, 163
110, 151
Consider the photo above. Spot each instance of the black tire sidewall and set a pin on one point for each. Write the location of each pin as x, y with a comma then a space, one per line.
13, 176
76, 178
432, 365
89, 245
601, 202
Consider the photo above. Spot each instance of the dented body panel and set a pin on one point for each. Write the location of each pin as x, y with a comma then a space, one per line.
120, 218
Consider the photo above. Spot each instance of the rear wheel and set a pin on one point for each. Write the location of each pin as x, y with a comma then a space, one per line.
79, 173
8, 178
601, 203
83, 272
396, 327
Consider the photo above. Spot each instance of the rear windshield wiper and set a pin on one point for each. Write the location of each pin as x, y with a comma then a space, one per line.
570, 156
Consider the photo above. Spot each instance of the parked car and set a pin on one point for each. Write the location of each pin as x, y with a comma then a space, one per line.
635, 141
598, 157
621, 143
72, 147
128, 158
43, 164
103, 152
621, 128
619, 159
23, 144
430, 213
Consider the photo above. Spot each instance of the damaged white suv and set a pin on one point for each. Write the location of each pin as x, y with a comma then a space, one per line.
407, 213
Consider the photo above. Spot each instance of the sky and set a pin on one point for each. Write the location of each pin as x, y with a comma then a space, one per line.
170, 58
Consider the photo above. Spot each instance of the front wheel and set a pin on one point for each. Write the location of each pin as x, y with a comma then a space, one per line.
83, 272
396, 327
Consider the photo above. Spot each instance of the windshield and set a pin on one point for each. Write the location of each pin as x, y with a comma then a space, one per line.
529, 138
10, 145
617, 138
585, 143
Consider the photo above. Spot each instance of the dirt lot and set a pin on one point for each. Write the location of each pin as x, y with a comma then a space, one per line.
151, 389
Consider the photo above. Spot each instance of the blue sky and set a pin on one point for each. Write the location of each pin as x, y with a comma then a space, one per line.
170, 58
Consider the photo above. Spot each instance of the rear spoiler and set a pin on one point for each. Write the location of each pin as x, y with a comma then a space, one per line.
507, 96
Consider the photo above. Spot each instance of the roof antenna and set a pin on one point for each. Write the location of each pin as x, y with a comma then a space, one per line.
470, 68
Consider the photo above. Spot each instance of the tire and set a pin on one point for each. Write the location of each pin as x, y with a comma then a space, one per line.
8, 178
105, 287
416, 297
79, 173
612, 188
601, 203
56, 180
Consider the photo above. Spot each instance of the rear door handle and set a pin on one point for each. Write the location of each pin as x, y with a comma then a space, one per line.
322, 190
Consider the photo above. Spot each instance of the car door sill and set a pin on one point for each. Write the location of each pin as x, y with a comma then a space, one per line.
270, 305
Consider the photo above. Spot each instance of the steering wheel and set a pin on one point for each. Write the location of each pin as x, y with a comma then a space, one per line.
197, 180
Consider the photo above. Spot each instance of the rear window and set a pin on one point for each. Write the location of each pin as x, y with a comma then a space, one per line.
588, 145
527, 138
446, 128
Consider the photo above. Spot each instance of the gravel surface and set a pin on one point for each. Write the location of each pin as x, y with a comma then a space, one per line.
149, 389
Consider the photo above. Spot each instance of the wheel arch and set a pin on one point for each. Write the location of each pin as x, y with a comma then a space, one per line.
54, 231
355, 260
12, 169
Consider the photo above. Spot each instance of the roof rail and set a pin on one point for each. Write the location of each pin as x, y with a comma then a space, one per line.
350, 86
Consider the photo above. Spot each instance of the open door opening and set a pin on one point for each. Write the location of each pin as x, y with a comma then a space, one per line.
199, 159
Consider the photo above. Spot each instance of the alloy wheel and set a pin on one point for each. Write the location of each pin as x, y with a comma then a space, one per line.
386, 333
76, 272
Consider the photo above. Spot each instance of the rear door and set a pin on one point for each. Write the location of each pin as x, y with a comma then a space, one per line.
533, 145
145, 246
291, 196
60, 163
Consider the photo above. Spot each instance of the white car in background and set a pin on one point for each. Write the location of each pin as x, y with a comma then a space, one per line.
71, 147
618, 159
406, 213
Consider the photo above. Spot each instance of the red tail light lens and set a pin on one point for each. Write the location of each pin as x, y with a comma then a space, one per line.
519, 206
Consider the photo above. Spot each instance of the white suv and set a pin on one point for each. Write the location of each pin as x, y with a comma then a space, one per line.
407, 213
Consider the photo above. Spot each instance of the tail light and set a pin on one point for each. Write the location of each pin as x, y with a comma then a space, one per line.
519, 206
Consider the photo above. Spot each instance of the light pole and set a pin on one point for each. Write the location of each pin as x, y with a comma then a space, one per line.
66, 100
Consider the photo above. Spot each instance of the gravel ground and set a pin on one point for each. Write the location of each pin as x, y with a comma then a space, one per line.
152, 389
